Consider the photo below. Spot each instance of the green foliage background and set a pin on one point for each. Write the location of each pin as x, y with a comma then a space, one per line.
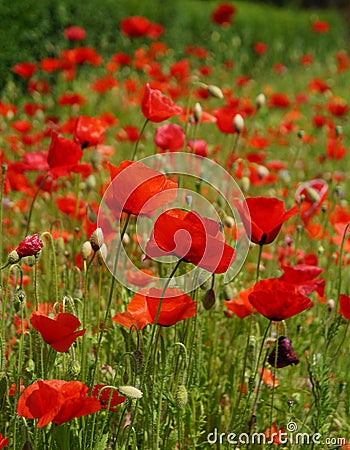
34, 28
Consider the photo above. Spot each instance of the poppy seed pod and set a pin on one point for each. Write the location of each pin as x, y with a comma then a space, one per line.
13, 257
238, 123
208, 300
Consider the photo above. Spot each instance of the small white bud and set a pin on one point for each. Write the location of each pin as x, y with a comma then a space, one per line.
238, 123
260, 101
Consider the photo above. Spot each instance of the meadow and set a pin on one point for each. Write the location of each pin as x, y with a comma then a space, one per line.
174, 227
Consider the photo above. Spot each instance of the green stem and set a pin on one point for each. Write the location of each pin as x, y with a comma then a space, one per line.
3, 175
43, 181
340, 265
54, 261
258, 265
111, 290
139, 139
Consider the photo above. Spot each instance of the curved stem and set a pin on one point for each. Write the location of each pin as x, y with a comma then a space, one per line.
43, 181
139, 139
111, 290
340, 264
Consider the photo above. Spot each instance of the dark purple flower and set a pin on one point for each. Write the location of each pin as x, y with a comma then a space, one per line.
286, 355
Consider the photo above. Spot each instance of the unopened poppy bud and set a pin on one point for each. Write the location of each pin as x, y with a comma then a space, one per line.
102, 253
126, 239
238, 123
330, 304
229, 221
29, 260
215, 91
209, 298
97, 239
320, 250
130, 392
263, 172
227, 292
181, 396
13, 257
197, 112
74, 368
313, 195
19, 299
245, 184
86, 250
137, 363
125, 377
301, 134
260, 100
338, 130
30, 365
90, 182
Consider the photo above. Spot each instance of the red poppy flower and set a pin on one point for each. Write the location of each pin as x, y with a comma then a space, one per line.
279, 100
135, 26
50, 64
304, 276
70, 205
58, 332
56, 401
75, 33
278, 300
3, 441
156, 107
337, 106
142, 309
89, 131
140, 277
260, 48
241, 305
199, 147
192, 238
170, 137
320, 26
25, 69
140, 190
263, 218
311, 195
30, 246
82, 55
63, 155
71, 98
222, 15
103, 396
344, 306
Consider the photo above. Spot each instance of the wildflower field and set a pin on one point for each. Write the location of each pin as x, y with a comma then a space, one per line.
175, 230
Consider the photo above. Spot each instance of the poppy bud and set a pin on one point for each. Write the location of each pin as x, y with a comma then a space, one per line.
338, 130
209, 298
312, 194
97, 239
130, 392
91, 182
30, 365
181, 396
197, 112
125, 377
86, 250
260, 100
29, 260
102, 253
286, 355
13, 257
215, 91
301, 134
245, 184
126, 239
74, 368
330, 305
229, 221
19, 299
30, 245
263, 172
238, 123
